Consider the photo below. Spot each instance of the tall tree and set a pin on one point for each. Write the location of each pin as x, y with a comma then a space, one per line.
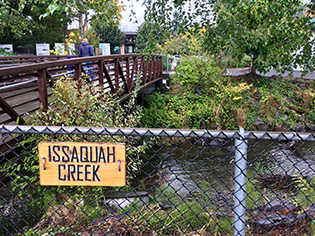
149, 36
110, 34
271, 31
276, 33
91, 12
24, 26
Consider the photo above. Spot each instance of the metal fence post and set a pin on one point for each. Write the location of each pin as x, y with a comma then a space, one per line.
240, 185
167, 64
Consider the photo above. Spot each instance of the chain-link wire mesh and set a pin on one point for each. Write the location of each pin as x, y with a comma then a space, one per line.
179, 182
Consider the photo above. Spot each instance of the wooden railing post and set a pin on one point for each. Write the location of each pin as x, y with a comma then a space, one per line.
77, 74
150, 68
42, 88
145, 71
101, 73
158, 66
128, 77
154, 61
116, 65
161, 67
134, 70
109, 80
142, 67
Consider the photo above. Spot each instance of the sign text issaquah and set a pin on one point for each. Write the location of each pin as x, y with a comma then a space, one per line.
85, 164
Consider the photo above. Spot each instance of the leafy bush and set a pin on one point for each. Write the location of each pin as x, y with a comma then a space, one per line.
86, 106
229, 102
218, 104
235, 63
187, 110
74, 106
3, 52
197, 71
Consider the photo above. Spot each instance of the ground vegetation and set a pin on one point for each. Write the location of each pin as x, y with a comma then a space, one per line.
202, 96
72, 104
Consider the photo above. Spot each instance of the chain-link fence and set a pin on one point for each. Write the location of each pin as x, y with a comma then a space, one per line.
178, 182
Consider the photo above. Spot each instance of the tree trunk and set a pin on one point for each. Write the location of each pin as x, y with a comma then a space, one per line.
81, 24
252, 68
65, 33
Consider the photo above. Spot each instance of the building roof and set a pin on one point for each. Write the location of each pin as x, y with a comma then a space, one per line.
130, 33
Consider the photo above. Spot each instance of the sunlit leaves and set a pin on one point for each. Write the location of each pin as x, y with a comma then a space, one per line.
270, 31
276, 33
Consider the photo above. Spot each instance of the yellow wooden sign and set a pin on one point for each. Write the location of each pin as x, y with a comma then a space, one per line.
82, 164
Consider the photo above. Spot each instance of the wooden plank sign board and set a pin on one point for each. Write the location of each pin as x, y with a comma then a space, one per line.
82, 164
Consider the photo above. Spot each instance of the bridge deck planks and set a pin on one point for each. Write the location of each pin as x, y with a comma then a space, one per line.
12, 93
23, 101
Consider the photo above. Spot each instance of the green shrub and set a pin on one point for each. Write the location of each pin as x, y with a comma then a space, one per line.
235, 63
197, 71
229, 102
73, 106
3, 52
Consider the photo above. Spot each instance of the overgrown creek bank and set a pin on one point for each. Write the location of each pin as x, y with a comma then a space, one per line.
202, 172
276, 173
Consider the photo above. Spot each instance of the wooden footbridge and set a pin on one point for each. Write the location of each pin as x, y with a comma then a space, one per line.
25, 82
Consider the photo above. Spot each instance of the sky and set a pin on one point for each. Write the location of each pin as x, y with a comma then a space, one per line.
137, 6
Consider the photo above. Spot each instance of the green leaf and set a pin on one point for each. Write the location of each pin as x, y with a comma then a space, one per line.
52, 8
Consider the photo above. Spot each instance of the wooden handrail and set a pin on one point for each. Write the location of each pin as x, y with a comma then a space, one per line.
45, 65
112, 71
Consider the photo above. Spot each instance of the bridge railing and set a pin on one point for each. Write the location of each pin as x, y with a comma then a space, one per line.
112, 73
19, 60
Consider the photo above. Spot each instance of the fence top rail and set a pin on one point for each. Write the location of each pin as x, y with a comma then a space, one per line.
50, 64
32, 57
148, 132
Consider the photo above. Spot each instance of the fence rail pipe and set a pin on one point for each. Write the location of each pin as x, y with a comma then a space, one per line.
240, 185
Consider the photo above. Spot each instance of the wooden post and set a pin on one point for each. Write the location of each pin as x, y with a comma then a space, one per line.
109, 80
161, 66
142, 68
101, 73
136, 66
116, 74
129, 82
77, 72
42, 88
158, 65
150, 67
134, 70
145, 71
154, 61
121, 72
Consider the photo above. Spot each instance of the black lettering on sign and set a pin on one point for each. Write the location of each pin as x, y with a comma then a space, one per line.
56, 158
49, 153
84, 155
91, 155
79, 173
65, 150
94, 173
74, 155
71, 172
101, 155
111, 154
59, 172
86, 173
